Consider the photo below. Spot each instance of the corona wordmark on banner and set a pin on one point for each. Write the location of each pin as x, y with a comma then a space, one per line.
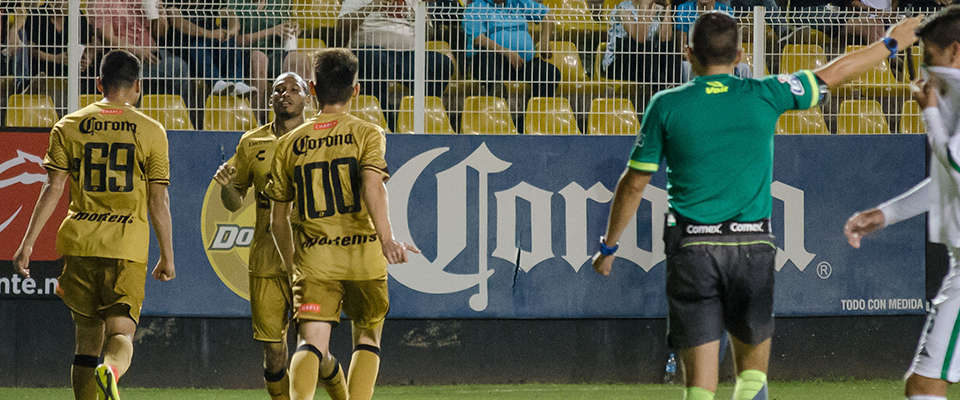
227, 236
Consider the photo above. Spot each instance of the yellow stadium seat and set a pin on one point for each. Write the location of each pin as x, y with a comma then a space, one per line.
613, 117
169, 109
574, 19
88, 99
795, 57
864, 117
573, 77
443, 47
30, 110
802, 122
878, 81
228, 113
435, 118
367, 108
310, 44
315, 14
911, 121
486, 115
748, 58
550, 116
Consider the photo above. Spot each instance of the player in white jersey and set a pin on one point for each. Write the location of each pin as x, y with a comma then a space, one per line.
936, 362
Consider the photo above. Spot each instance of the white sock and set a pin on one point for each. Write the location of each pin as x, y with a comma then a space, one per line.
926, 397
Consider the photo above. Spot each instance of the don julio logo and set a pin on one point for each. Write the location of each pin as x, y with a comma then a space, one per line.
301, 145
497, 224
227, 237
90, 125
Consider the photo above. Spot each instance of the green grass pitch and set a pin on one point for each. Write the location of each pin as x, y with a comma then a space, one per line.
848, 390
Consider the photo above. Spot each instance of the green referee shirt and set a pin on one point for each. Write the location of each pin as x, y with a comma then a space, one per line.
716, 134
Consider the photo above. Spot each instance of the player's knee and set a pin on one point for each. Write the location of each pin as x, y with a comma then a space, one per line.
274, 356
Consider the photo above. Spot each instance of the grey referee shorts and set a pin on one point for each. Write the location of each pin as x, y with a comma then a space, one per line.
719, 277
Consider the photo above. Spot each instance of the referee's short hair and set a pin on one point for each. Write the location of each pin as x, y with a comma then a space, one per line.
942, 28
715, 39
335, 70
119, 69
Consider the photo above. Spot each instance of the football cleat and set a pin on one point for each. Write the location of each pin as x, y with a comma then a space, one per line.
107, 383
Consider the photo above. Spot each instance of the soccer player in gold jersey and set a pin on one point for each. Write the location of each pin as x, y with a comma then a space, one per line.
270, 296
337, 239
116, 161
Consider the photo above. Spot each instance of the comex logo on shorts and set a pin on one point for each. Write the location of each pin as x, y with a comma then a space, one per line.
426, 276
227, 236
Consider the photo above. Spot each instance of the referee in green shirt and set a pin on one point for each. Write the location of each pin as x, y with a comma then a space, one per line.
716, 135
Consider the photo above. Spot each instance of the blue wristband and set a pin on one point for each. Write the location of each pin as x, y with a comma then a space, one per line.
606, 250
892, 45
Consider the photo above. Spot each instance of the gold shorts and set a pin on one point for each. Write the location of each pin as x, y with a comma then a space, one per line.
271, 302
92, 286
364, 302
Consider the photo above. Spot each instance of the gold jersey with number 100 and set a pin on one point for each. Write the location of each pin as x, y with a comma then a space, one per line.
112, 152
318, 167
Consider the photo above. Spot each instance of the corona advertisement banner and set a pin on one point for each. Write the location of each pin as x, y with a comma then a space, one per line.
508, 224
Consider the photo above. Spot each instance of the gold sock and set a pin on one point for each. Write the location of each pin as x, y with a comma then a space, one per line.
117, 352
335, 384
278, 386
304, 368
84, 382
364, 366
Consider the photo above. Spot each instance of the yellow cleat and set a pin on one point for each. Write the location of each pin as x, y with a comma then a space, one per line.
107, 383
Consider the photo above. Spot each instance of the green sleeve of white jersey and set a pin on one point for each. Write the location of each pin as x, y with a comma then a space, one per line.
797, 91
648, 149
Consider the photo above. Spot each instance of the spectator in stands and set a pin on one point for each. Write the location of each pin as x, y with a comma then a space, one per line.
640, 44
14, 58
46, 32
210, 33
265, 29
501, 48
687, 13
381, 32
138, 28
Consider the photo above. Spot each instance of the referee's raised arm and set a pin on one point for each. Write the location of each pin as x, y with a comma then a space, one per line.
900, 36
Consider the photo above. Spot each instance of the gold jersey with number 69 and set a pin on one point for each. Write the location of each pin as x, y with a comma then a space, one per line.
317, 167
112, 152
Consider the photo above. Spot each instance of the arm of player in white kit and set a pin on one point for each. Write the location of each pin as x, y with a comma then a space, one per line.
911, 203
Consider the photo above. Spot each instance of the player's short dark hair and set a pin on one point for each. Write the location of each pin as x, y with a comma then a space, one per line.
119, 69
335, 71
715, 39
942, 28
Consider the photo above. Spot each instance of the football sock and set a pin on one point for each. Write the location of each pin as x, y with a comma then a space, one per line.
335, 383
697, 393
278, 384
304, 370
82, 377
751, 385
926, 397
364, 366
117, 352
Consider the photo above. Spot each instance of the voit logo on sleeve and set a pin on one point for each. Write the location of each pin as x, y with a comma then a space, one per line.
227, 236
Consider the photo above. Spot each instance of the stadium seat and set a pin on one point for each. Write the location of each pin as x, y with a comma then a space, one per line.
169, 109
486, 115
574, 20
748, 58
88, 99
910, 120
802, 122
878, 81
435, 118
795, 57
550, 116
367, 108
573, 77
31, 110
312, 15
863, 117
228, 113
613, 117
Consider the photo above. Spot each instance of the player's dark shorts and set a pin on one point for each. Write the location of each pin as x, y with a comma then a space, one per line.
365, 302
95, 287
719, 276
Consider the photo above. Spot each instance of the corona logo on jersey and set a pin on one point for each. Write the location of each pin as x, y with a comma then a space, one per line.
227, 236
426, 276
